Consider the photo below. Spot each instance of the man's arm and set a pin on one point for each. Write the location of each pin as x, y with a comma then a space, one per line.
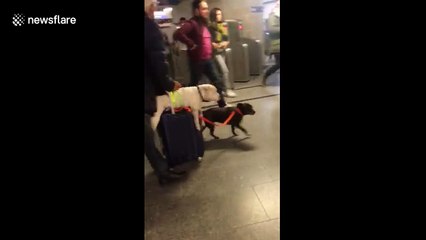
154, 49
182, 35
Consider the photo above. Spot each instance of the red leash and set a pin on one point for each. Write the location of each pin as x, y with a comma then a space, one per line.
188, 109
226, 121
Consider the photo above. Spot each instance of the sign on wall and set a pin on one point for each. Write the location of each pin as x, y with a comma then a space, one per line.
256, 9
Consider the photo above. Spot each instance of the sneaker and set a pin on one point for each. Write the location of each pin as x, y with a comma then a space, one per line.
230, 105
230, 93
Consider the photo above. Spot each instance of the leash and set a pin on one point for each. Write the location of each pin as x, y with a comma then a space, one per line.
201, 95
236, 110
188, 109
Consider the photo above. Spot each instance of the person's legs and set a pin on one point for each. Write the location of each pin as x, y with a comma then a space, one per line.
196, 71
157, 161
211, 73
220, 60
272, 69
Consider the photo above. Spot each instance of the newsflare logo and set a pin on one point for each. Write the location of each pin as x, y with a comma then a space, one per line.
19, 19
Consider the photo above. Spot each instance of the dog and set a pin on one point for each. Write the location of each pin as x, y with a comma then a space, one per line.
221, 114
188, 97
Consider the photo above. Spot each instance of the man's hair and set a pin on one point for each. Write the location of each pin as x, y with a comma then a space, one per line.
182, 19
196, 4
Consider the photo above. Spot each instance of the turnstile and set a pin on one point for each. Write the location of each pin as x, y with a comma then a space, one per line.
240, 52
256, 56
228, 60
181, 67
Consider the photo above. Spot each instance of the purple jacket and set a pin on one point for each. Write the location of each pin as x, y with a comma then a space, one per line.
191, 34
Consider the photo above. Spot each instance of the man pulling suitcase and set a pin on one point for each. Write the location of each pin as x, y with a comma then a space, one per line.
157, 82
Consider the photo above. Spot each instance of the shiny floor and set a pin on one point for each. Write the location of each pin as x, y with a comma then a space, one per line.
234, 192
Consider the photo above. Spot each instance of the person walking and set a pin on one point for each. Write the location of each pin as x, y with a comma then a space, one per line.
220, 42
195, 35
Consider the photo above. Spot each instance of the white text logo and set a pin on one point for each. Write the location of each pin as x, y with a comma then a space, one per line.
19, 20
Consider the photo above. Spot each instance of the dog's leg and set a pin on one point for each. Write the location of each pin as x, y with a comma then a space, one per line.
156, 118
233, 130
201, 120
211, 127
197, 122
243, 129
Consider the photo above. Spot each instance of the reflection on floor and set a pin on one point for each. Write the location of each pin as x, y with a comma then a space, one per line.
234, 192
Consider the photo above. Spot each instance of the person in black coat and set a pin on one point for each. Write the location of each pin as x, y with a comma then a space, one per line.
157, 82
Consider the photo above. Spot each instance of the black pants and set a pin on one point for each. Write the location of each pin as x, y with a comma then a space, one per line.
274, 68
207, 67
157, 161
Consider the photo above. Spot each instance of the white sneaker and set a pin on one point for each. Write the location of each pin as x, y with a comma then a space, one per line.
230, 93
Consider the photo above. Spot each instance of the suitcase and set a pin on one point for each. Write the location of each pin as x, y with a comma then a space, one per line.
182, 142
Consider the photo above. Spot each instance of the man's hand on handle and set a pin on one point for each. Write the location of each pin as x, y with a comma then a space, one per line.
177, 85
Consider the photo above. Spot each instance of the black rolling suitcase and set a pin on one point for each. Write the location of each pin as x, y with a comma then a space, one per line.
181, 140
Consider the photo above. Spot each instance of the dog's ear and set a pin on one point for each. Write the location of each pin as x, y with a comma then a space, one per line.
240, 105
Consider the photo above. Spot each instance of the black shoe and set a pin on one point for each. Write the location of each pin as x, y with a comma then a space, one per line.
168, 177
173, 171
221, 103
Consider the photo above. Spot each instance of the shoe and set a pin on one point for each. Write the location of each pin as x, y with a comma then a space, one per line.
221, 103
168, 177
230, 105
173, 171
230, 93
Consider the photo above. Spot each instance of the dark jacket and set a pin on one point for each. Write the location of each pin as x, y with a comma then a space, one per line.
191, 33
156, 77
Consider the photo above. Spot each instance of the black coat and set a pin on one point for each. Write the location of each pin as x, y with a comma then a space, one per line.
156, 77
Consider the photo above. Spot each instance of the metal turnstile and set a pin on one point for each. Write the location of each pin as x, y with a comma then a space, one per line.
228, 60
181, 67
256, 56
240, 52
243, 65
240, 62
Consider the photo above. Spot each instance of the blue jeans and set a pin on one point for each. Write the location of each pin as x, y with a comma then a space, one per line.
207, 67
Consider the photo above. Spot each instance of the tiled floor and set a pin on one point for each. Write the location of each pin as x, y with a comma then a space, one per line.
234, 192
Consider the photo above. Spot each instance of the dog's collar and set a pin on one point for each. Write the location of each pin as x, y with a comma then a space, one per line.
238, 111
201, 95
